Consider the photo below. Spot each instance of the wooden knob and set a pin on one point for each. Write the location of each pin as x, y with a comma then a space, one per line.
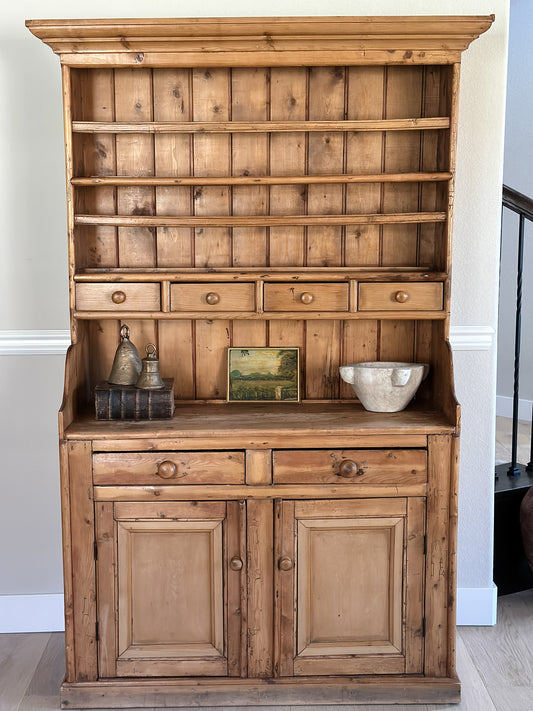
212, 298
166, 470
285, 563
307, 298
235, 563
401, 297
347, 468
118, 297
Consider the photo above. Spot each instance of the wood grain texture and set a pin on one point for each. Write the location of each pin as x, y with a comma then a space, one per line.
261, 182
84, 653
260, 587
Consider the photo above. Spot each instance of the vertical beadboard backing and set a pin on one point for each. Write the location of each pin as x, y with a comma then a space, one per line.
261, 94
194, 352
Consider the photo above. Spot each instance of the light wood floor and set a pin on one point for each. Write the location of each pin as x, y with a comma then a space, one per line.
504, 439
495, 665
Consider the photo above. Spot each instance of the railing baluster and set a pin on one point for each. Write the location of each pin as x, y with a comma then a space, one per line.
523, 206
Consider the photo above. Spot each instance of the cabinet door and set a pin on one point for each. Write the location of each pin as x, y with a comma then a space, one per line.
167, 575
353, 573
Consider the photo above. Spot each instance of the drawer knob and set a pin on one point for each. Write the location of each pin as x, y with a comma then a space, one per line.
118, 297
212, 298
401, 297
285, 563
166, 470
347, 469
307, 298
235, 563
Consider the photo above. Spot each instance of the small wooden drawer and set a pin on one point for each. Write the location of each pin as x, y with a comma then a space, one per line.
306, 297
212, 297
354, 466
118, 297
401, 296
156, 468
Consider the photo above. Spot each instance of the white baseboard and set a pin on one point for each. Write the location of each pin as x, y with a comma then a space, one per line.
31, 613
477, 606
44, 613
504, 407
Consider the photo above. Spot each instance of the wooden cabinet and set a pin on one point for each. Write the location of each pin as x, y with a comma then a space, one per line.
249, 182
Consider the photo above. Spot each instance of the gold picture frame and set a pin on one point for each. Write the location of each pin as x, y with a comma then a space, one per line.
263, 375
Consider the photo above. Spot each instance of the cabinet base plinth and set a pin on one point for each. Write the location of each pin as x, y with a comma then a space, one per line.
128, 693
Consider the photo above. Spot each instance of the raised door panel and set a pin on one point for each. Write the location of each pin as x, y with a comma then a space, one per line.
173, 579
356, 585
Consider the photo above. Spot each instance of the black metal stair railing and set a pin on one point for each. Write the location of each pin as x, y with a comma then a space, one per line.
523, 207
511, 569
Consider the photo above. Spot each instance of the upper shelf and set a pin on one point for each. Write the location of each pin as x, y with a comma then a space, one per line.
408, 124
281, 41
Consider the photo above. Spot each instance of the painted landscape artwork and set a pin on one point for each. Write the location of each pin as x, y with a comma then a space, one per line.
263, 375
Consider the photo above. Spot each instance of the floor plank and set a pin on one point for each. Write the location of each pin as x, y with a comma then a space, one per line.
504, 439
42, 693
19, 657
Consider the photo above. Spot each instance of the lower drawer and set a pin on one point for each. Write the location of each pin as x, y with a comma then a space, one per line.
118, 468
335, 466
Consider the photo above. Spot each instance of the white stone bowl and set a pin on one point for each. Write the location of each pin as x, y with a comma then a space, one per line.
384, 386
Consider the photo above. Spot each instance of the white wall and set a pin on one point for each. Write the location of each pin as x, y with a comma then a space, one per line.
33, 278
517, 174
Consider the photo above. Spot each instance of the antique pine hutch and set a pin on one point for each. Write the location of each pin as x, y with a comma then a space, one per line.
260, 182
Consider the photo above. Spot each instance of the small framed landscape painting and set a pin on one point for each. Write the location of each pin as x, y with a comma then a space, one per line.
263, 375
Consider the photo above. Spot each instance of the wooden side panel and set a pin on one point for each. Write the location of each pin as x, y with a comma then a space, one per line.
402, 154
250, 156
135, 157
437, 561
288, 102
326, 156
260, 517
364, 154
212, 157
83, 563
172, 102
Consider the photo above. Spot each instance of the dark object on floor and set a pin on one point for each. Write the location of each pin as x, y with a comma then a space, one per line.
511, 569
526, 525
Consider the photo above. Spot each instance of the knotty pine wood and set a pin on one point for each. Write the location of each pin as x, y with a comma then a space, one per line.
189, 153
492, 663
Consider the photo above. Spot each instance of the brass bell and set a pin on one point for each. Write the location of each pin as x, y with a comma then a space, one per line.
127, 363
150, 378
